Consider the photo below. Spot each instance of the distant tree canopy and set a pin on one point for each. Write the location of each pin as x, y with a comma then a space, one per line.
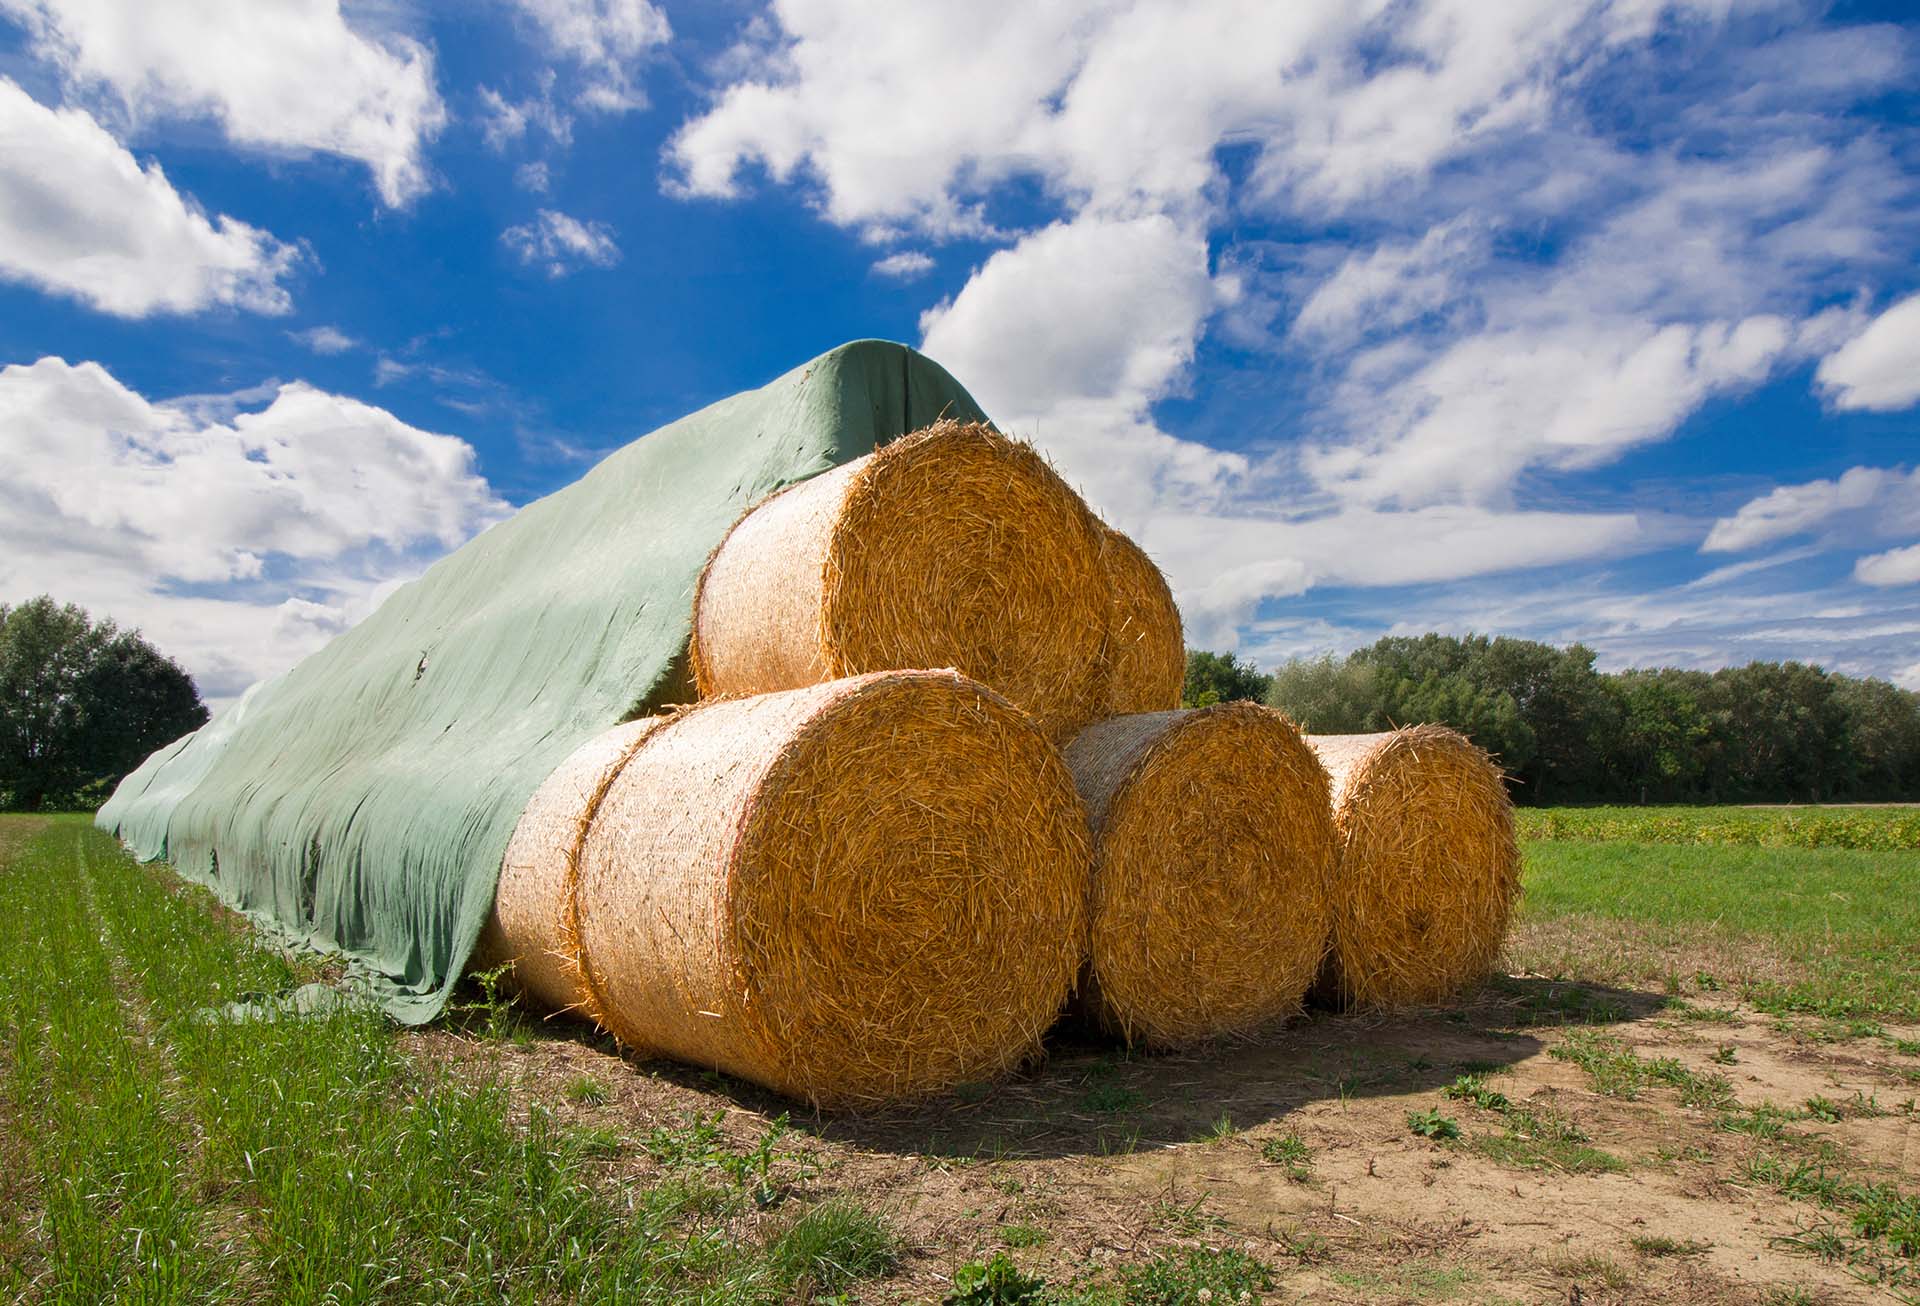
81, 704
1765, 732
1218, 678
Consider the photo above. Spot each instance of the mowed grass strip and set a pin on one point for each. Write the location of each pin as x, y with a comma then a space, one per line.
335, 1167
100, 1202
1839, 922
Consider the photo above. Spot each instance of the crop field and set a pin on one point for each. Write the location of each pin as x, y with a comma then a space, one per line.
1694, 1081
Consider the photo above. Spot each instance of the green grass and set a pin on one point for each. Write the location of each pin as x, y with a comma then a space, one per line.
1881, 829
1843, 920
1290, 1151
181, 1156
1619, 1072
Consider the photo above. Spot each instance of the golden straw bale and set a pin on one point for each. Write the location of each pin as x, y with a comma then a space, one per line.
532, 923
1213, 846
951, 547
852, 893
1146, 651
1428, 868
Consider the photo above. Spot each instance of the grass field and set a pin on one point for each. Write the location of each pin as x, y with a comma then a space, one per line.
1696, 1083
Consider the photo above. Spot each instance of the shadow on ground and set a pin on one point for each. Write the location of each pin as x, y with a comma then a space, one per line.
1089, 1097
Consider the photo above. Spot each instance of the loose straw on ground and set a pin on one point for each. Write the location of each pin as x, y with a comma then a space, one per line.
1428, 869
951, 547
1213, 844
1146, 652
853, 893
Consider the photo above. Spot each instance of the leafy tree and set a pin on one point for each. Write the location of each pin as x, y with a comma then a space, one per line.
1219, 678
81, 703
1328, 697
1883, 730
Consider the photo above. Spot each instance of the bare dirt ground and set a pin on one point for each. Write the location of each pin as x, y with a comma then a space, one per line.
1095, 1160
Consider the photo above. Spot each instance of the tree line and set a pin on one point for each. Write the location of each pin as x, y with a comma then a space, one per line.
82, 703
1566, 733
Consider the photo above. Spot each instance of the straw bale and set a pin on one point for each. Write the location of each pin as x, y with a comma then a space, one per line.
951, 547
1428, 870
1146, 652
1213, 845
852, 893
532, 922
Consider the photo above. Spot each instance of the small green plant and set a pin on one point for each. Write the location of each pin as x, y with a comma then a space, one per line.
585, 1090
1022, 1235
1104, 1097
1431, 1124
1825, 1110
834, 1244
1473, 1088
1291, 1151
1177, 1280
1222, 1129
1724, 1055
995, 1282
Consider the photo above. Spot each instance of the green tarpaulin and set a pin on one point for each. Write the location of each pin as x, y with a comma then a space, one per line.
361, 802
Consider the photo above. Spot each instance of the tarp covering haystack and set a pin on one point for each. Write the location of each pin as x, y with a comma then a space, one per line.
1213, 847
1428, 870
362, 802
853, 893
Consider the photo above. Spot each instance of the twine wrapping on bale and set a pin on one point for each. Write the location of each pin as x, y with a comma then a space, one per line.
533, 924
1428, 869
1146, 656
852, 893
951, 547
1213, 845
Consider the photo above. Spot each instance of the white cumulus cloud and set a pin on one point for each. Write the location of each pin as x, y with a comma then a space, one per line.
1894, 567
80, 216
291, 76
1867, 501
606, 39
238, 544
1879, 369
904, 266
560, 243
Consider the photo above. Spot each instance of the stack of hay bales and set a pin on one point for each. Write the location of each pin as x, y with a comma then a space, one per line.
854, 880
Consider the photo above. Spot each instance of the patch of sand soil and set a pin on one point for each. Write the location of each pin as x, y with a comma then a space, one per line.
1097, 1160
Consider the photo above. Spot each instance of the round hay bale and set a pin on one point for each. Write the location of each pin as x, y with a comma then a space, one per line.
1213, 844
1428, 868
852, 893
1146, 653
951, 547
533, 924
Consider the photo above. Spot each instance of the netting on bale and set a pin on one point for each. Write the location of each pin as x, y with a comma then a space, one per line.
853, 893
955, 547
363, 801
1146, 654
1213, 845
1428, 869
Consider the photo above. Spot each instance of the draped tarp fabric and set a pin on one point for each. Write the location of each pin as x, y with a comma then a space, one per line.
361, 802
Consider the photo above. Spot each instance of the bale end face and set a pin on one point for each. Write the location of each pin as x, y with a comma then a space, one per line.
856, 893
1213, 848
1429, 868
951, 547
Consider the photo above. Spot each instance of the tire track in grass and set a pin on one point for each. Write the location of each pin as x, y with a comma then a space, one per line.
109, 1198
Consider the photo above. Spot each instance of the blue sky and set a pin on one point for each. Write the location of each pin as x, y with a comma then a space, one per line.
1572, 319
